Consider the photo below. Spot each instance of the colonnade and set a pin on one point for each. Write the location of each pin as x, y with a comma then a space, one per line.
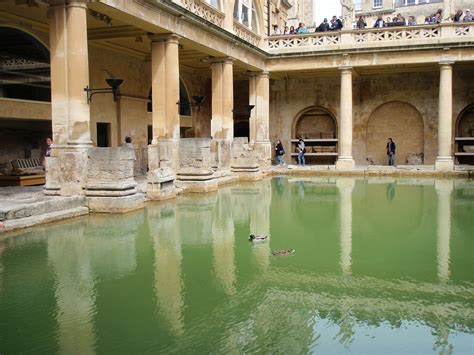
71, 112
444, 160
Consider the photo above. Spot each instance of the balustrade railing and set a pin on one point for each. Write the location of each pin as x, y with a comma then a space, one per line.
204, 10
246, 34
369, 37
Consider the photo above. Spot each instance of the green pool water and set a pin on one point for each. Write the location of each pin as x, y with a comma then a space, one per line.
380, 266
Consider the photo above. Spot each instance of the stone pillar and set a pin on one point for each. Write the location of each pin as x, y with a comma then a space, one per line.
345, 160
259, 91
444, 160
70, 112
345, 187
222, 122
443, 191
163, 152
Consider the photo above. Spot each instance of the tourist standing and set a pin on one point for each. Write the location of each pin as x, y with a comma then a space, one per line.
49, 147
279, 152
301, 150
128, 144
361, 24
391, 152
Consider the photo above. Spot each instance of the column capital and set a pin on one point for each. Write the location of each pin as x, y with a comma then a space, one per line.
68, 3
164, 37
446, 63
224, 60
345, 68
263, 74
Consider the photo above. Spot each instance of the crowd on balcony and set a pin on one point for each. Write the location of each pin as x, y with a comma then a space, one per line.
335, 24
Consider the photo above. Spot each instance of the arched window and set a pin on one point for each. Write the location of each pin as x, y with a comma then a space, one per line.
184, 107
215, 3
245, 12
25, 66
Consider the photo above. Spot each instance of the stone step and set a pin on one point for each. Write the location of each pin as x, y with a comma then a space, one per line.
15, 210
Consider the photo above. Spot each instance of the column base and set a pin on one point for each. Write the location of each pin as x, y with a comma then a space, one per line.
444, 164
263, 152
118, 204
346, 163
161, 184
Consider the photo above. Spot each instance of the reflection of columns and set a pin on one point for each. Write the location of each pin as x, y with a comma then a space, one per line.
165, 95
345, 187
74, 293
443, 191
259, 207
70, 111
259, 92
345, 160
168, 280
222, 123
223, 242
444, 160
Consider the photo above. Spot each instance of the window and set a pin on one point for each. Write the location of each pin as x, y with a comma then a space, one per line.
377, 4
215, 3
414, 2
358, 5
246, 13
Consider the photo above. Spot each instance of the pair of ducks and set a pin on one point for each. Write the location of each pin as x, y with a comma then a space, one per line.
262, 238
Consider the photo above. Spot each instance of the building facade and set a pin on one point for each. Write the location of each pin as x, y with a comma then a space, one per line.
205, 92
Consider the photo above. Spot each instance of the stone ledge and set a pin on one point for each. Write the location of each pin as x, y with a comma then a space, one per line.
26, 222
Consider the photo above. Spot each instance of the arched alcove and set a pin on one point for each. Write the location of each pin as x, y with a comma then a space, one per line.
318, 127
184, 107
465, 136
25, 70
400, 121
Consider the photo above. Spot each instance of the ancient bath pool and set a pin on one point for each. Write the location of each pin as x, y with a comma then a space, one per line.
380, 266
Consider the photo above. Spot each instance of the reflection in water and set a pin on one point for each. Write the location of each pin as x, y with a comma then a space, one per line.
390, 191
348, 288
443, 192
345, 186
164, 225
223, 241
69, 255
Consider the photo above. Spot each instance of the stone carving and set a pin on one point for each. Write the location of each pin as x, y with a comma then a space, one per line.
448, 10
414, 159
348, 13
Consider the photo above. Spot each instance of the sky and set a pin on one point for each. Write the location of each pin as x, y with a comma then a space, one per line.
326, 8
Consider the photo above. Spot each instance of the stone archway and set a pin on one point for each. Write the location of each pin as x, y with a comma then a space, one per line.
318, 127
464, 130
400, 121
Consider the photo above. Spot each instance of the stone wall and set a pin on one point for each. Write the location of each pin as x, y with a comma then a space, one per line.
409, 95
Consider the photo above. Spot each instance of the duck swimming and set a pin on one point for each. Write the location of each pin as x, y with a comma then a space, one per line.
258, 238
283, 252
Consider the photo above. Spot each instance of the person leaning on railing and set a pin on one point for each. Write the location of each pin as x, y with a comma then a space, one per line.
361, 24
379, 23
468, 17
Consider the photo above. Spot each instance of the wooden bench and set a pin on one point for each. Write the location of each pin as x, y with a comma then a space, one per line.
25, 172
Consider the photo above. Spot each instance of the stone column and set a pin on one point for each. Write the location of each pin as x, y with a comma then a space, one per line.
222, 122
163, 152
70, 112
443, 191
259, 91
345, 187
444, 160
345, 160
